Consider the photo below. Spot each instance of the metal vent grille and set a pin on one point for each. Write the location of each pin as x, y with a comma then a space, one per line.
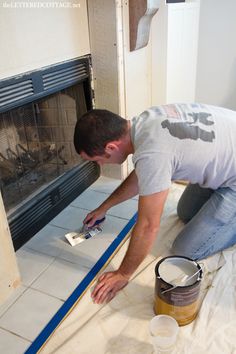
29, 87
64, 76
36, 213
77, 179
29, 218
16, 92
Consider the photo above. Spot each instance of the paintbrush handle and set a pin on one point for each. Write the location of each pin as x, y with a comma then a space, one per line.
97, 222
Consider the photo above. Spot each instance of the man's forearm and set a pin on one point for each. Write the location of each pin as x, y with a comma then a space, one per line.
141, 242
145, 231
127, 190
143, 236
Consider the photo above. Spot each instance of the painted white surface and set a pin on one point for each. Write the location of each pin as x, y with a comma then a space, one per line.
216, 70
165, 70
137, 72
182, 46
174, 52
159, 35
31, 38
9, 273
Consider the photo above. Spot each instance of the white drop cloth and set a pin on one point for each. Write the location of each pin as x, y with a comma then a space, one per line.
121, 326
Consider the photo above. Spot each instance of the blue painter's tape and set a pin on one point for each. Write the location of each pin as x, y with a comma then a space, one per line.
69, 303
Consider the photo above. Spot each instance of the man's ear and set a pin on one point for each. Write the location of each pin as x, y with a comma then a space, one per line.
111, 147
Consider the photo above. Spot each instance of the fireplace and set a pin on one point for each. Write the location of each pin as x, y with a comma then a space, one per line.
40, 172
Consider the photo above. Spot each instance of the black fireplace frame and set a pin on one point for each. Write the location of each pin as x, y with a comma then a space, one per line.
31, 216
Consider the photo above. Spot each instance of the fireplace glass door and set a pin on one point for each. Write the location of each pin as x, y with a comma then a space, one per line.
36, 144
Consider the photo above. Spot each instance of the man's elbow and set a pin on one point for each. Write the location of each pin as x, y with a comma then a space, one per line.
153, 229
150, 227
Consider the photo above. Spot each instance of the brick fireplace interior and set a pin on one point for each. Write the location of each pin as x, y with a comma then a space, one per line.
40, 172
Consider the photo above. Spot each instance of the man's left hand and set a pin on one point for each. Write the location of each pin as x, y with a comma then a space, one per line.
107, 286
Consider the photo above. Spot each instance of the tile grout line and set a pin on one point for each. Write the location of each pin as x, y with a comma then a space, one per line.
18, 297
41, 252
31, 286
114, 216
109, 193
95, 190
15, 334
44, 293
53, 259
27, 287
58, 256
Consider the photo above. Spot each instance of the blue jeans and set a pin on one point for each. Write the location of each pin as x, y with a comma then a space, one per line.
210, 218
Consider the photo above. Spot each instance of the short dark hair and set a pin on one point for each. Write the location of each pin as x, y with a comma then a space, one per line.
95, 129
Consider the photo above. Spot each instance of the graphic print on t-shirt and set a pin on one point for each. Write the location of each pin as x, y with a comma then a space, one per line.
189, 128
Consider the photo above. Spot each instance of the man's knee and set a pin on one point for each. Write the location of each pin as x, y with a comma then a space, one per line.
185, 204
191, 201
183, 213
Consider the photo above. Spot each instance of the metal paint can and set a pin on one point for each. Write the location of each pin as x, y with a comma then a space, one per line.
177, 288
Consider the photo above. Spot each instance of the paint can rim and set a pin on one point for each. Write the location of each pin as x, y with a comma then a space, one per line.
179, 286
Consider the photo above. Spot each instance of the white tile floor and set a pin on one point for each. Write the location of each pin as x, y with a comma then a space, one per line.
50, 268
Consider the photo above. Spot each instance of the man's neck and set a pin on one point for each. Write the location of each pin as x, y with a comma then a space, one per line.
129, 144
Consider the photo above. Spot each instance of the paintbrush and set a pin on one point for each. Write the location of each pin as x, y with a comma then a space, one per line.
78, 236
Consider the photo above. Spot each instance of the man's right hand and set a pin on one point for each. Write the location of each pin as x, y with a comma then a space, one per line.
93, 216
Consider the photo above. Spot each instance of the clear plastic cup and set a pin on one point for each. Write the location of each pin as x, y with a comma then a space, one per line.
163, 330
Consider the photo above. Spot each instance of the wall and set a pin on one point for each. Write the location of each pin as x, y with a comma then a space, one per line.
216, 70
137, 72
159, 35
174, 52
31, 38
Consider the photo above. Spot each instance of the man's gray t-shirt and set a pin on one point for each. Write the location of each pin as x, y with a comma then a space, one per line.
193, 142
